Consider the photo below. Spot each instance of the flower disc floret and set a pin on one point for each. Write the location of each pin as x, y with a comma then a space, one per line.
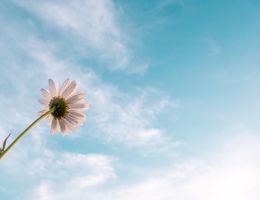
60, 107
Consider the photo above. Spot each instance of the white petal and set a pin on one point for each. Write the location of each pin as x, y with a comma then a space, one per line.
62, 126
45, 94
64, 86
70, 126
78, 110
42, 111
69, 90
52, 87
75, 98
73, 92
50, 119
74, 123
54, 125
77, 114
72, 119
58, 125
79, 120
66, 128
44, 101
83, 101
82, 106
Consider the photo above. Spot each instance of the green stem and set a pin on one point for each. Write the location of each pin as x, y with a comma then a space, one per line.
25, 131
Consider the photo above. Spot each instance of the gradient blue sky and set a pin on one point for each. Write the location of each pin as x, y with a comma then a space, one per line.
174, 96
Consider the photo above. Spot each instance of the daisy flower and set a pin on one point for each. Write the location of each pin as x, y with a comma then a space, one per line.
67, 104
64, 108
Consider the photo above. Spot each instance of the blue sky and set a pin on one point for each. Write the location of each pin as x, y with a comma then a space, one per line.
173, 87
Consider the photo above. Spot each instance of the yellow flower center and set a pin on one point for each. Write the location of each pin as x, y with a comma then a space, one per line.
60, 106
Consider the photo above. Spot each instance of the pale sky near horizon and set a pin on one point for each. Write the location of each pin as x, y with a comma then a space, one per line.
174, 93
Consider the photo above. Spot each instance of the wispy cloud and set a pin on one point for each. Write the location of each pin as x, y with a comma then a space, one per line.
130, 121
96, 23
230, 172
72, 172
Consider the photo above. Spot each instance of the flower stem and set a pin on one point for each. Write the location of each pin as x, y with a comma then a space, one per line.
25, 131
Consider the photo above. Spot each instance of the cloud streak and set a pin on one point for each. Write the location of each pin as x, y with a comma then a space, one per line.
231, 172
96, 23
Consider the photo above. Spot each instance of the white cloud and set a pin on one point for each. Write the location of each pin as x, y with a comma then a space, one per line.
65, 175
43, 192
128, 120
95, 23
230, 172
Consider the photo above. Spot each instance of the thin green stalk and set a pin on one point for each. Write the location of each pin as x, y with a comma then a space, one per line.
24, 132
